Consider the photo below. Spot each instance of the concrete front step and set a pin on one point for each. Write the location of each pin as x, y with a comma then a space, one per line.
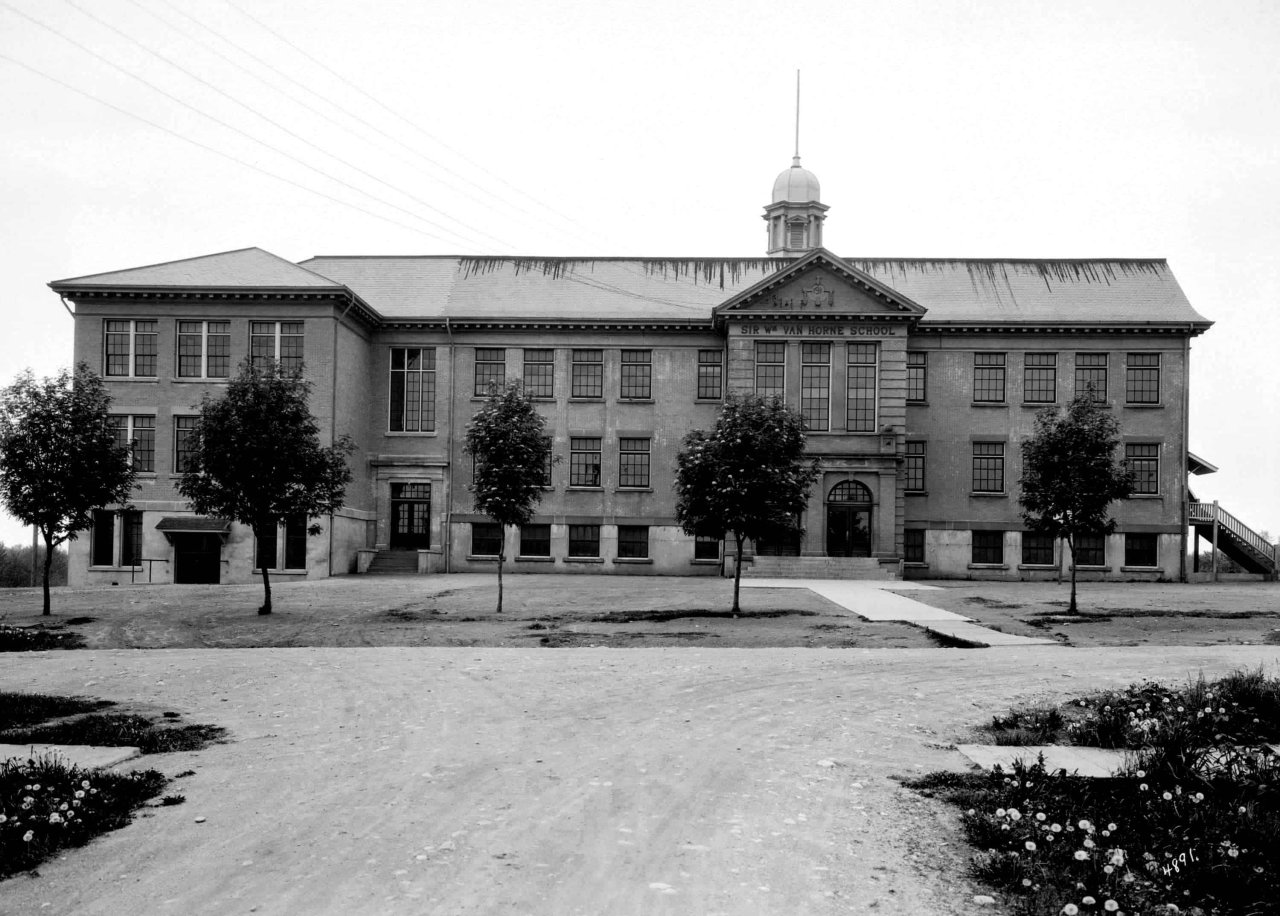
820, 568
394, 563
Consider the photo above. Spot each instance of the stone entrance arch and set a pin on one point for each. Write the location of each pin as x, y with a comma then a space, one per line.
849, 508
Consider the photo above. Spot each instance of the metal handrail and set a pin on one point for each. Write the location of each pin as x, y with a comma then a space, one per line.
1204, 512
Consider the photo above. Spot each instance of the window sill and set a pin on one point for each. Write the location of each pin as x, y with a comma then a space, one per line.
636, 401
1039, 405
191, 380
708, 400
634, 561
988, 565
915, 492
1142, 569
1145, 496
1143, 406
411, 434
917, 403
634, 490
117, 569
579, 487
282, 572
1003, 404
975, 494
130, 378
715, 562
584, 400
482, 558
1083, 568
915, 564
1038, 566
584, 559
535, 559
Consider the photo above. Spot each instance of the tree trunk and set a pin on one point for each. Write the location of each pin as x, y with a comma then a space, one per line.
737, 575
1071, 608
502, 555
48, 562
266, 583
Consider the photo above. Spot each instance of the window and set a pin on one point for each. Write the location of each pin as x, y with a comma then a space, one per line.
130, 348
637, 375
815, 386
1144, 464
1037, 549
988, 467
706, 548
1090, 550
1040, 378
491, 369
182, 452
540, 373
633, 542
913, 545
584, 461
1091, 373
412, 407
535, 540
917, 376
1141, 550
988, 548
486, 539
280, 341
1142, 378
587, 374
295, 546
204, 349
633, 462
710, 374
139, 434
988, 378
860, 388
771, 369
915, 467
546, 465
102, 550
584, 540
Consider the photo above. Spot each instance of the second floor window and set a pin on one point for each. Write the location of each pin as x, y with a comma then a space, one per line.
815, 386
1144, 464
917, 376
1040, 378
1142, 378
204, 349
915, 467
633, 462
584, 461
131, 347
182, 428
412, 407
540, 373
491, 369
988, 467
860, 402
988, 378
771, 369
278, 341
1091, 375
710, 374
637, 375
587, 374
139, 434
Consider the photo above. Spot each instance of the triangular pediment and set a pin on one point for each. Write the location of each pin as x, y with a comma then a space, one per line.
247, 268
820, 284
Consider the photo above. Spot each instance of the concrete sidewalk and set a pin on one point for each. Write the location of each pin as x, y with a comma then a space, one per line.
84, 756
874, 599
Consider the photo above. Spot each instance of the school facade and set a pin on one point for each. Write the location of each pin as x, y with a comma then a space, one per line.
917, 379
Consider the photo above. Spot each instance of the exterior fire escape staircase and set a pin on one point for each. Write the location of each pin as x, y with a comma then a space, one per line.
1227, 533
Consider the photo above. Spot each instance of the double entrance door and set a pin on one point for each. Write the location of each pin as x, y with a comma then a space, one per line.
848, 531
410, 516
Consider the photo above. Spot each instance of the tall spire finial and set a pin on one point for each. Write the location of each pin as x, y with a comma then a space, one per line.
797, 158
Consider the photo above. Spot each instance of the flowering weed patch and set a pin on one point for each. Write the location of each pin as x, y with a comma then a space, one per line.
118, 730
28, 708
46, 807
1192, 826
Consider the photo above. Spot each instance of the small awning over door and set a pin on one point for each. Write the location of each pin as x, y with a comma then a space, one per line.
193, 524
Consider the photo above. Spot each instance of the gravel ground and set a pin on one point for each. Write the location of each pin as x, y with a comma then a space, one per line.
577, 781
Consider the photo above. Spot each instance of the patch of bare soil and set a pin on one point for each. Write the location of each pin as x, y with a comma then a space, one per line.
1120, 613
460, 611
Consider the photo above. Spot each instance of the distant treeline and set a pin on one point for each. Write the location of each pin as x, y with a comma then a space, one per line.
15, 566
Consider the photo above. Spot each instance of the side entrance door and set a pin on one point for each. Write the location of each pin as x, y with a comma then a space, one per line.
197, 559
410, 516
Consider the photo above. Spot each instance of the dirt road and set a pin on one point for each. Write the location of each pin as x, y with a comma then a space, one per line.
580, 781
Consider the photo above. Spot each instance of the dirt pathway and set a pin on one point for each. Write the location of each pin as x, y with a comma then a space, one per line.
489, 781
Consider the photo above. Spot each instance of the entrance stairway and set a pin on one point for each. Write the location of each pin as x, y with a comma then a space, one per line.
819, 568
1241, 543
394, 563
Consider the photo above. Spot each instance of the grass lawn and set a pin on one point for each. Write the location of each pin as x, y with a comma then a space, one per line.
1192, 826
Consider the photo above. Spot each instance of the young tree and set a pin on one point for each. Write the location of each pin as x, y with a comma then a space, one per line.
748, 477
506, 440
1071, 475
59, 459
256, 457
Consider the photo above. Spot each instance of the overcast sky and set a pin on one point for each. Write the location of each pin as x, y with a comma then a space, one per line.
140, 131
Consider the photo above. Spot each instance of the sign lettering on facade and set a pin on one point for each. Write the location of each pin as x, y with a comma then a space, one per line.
812, 330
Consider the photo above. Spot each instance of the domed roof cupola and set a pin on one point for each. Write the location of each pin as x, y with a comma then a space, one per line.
796, 185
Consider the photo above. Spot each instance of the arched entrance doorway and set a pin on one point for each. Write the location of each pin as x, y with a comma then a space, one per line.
849, 520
